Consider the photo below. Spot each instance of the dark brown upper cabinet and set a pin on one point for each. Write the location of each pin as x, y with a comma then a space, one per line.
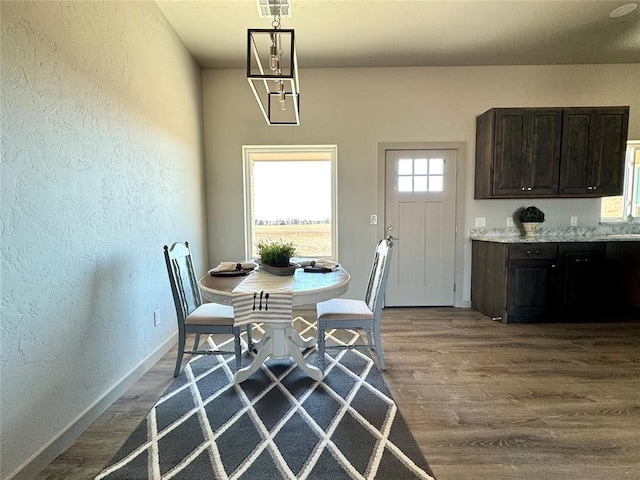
536, 152
518, 152
593, 149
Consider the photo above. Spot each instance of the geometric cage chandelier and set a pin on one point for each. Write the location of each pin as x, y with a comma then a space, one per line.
272, 69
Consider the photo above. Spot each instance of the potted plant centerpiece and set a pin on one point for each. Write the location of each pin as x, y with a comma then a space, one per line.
275, 256
530, 217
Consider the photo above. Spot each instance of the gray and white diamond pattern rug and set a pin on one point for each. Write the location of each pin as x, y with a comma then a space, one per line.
278, 424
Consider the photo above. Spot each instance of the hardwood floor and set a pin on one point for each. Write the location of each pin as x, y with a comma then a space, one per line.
484, 400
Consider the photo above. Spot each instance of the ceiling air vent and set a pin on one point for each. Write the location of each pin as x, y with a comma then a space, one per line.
269, 8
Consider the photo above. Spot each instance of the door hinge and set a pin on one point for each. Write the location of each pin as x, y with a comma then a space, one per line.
456, 232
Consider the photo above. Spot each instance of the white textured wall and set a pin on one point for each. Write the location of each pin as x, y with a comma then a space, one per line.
356, 108
101, 166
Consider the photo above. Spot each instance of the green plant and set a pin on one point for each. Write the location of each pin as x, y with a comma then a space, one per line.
276, 253
531, 214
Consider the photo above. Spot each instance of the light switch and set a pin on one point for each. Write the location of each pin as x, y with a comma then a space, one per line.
374, 219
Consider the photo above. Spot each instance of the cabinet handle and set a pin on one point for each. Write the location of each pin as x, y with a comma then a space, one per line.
590, 188
595, 187
582, 260
553, 265
522, 189
529, 188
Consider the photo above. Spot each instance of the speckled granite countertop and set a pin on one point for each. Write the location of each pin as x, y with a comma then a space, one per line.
604, 233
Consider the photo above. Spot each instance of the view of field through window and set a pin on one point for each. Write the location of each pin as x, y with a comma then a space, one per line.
313, 240
298, 210
626, 206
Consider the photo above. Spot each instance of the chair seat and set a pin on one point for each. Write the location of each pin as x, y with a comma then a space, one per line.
343, 313
211, 314
343, 309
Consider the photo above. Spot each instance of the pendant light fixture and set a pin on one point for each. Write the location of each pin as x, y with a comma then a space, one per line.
272, 69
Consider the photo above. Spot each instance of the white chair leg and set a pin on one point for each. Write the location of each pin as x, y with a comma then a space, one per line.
369, 339
321, 346
181, 340
376, 333
250, 337
237, 348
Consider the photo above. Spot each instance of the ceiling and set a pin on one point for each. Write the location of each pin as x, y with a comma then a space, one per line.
371, 33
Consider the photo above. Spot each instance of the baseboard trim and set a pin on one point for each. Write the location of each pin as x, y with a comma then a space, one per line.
65, 438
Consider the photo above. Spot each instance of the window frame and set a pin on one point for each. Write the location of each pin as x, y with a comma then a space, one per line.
630, 178
293, 153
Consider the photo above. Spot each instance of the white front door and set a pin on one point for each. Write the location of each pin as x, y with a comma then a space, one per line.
420, 213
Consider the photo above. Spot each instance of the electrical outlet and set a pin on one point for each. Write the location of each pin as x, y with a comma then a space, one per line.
156, 317
481, 221
574, 221
509, 222
374, 219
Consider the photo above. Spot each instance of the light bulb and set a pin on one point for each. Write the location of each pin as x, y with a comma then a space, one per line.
274, 59
275, 52
281, 94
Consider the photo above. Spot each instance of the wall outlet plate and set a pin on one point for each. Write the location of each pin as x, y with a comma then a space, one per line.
509, 222
574, 221
374, 219
156, 317
481, 221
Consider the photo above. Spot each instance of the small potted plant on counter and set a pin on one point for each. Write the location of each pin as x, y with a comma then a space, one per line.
275, 256
530, 217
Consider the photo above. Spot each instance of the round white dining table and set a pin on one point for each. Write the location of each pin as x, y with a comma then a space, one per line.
281, 340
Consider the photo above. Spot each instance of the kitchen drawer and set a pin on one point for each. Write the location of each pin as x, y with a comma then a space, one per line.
541, 251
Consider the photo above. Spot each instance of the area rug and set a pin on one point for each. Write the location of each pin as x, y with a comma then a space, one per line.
278, 424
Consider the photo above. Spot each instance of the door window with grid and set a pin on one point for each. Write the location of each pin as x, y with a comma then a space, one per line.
420, 174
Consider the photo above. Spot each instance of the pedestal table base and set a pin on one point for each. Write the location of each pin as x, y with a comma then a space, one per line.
280, 341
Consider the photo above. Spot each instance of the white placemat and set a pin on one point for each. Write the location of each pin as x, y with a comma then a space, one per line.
263, 298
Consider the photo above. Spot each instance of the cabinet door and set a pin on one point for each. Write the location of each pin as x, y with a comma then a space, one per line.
581, 293
609, 145
593, 148
575, 152
510, 153
543, 152
623, 279
531, 295
527, 152
489, 278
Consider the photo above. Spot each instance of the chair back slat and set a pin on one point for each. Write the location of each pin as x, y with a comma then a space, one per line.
374, 297
184, 284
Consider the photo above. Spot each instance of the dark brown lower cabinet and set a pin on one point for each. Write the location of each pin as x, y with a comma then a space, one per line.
541, 282
581, 290
623, 278
531, 273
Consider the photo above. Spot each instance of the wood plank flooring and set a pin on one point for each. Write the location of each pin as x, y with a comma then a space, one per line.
484, 400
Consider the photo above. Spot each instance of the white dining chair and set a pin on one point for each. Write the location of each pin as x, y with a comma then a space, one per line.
193, 315
342, 313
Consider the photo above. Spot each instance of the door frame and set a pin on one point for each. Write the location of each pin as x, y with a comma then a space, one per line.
461, 187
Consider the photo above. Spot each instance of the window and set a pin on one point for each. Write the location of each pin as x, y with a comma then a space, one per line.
420, 174
627, 205
290, 194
